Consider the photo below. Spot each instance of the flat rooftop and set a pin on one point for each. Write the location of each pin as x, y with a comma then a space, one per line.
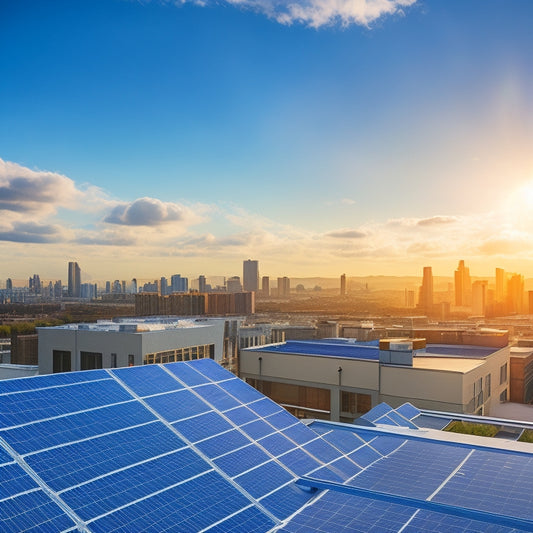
447, 354
133, 325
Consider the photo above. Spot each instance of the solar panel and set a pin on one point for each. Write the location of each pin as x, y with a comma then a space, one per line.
189, 447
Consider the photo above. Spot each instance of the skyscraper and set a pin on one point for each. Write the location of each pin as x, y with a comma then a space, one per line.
425, 301
74, 280
250, 275
463, 286
499, 296
284, 287
201, 284
343, 285
479, 297
265, 286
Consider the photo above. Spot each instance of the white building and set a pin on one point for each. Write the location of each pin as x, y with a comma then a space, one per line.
128, 342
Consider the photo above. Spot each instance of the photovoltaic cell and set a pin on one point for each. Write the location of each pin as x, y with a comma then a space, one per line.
210, 369
149, 380
32, 512
241, 460
175, 406
53, 380
276, 444
126, 486
249, 520
377, 412
14, 480
408, 410
224, 443
191, 506
202, 426
257, 429
186, 374
264, 479
24, 407
264, 407
241, 390
218, 398
286, 500
76, 463
41, 435
240, 415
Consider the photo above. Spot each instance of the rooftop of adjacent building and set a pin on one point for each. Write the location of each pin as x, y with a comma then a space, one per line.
135, 325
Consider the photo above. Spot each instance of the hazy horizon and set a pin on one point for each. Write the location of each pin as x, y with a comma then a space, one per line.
318, 137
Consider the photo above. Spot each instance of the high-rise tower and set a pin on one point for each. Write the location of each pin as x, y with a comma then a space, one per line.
425, 302
74, 280
463, 285
250, 275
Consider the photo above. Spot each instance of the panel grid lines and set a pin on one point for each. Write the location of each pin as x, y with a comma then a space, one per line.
199, 452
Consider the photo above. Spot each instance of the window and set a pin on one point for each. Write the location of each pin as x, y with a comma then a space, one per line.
211, 351
113, 360
503, 396
131, 360
487, 386
90, 360
503, 374
61, 361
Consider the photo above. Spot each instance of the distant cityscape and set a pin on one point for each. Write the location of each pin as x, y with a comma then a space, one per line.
503, 294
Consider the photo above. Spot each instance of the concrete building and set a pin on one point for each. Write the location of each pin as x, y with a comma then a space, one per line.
265, 286
128, 342
284, 287
521, 373
425, 300
339, 379
463, 286
233, 284
74, 280
250, 275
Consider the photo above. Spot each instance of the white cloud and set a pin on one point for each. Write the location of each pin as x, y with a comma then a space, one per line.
317, 13
24, 191
151, 212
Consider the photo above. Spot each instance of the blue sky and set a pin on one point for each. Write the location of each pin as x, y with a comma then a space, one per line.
366, 138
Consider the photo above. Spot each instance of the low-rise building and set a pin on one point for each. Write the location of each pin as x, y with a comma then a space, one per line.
128, 342
339, 379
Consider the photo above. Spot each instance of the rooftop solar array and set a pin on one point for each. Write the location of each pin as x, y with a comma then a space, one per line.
190, 447
353, 349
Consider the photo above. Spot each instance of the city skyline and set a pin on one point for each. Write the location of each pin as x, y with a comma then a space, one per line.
320, 138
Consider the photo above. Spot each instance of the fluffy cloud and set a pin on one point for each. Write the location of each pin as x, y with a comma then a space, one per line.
317, 13
23, 190
150, 212
31, 232
346, 234
436, 221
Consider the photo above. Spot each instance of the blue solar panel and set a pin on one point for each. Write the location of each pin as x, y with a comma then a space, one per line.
178, 405
431, 422
191, 506
264, 479
286, 500
364, 456
202, 426
276, 444
75, 463
337, 512
258, 429
377, 412
242, 460
264, 407
32, 512
506, 481
211, 370
122, 466
126, 486
415, 469
221, 444
249, 520
14, 480
147, 381
24, 407
240, 415
53, 380
186, 374
408, 410
218, 398
41, 435
299, 462
241, 390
